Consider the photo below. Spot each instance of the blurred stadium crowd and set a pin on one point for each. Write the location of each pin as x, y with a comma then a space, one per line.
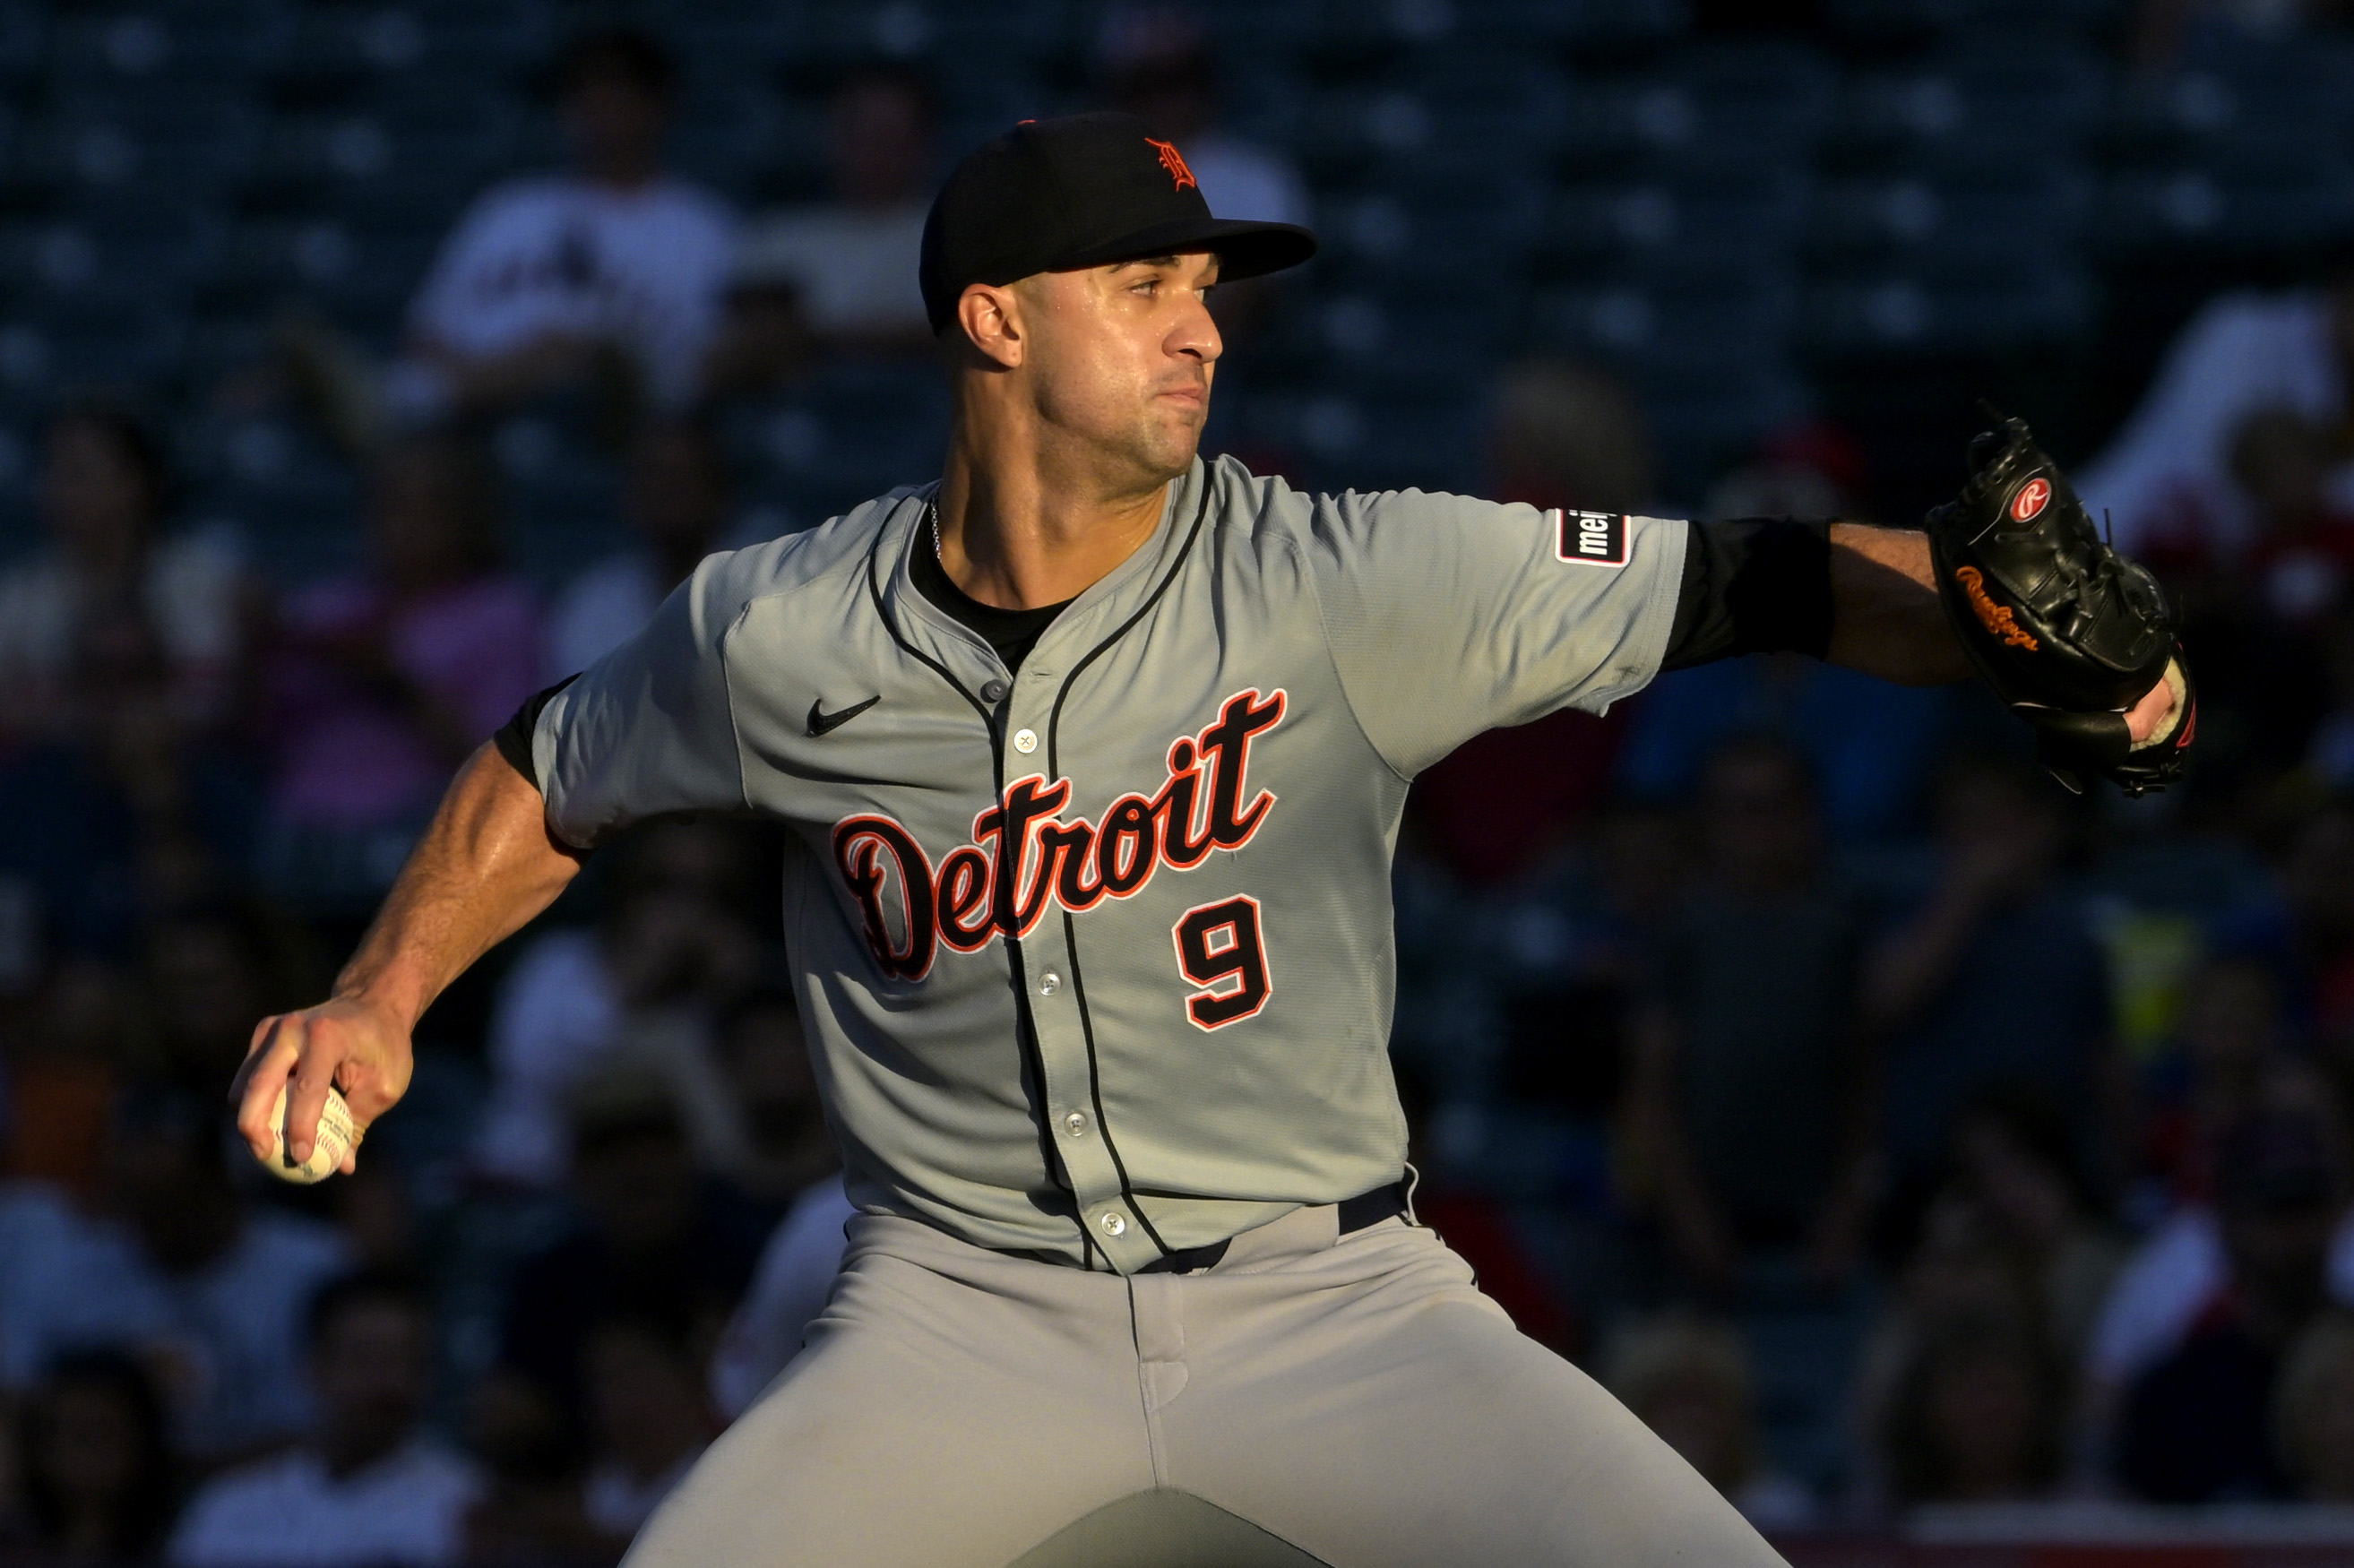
1890, 1129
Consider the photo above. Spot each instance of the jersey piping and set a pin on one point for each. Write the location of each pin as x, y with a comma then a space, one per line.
1025, 1028
1070, 927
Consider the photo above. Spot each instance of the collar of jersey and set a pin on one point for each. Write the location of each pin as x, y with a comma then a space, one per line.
1116, 594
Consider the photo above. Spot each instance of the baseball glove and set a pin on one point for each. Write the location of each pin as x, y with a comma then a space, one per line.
2068, 633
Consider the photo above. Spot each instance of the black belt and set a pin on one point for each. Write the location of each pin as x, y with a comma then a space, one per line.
1356, 1214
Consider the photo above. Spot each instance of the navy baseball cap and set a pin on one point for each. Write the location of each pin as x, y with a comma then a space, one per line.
1053, 194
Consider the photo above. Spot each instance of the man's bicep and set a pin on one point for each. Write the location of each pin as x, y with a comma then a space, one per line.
646, 730
1449, 615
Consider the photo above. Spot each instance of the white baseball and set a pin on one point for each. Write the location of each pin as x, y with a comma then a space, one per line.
339, 1134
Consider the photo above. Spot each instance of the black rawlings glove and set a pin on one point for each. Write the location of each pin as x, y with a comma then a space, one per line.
2068, 633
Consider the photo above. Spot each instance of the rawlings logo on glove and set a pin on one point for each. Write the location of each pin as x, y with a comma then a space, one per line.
1994, 617
2068, 633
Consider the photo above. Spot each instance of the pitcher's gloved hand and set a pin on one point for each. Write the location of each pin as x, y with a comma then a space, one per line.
2070, 634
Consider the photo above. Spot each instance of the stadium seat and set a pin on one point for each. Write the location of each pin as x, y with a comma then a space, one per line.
512, 37
24, 40
1929, 308
1735, 221
1595, 26
2041, 211
1727, 104
2006, 101
295, 503
174, 136
1885, 21
205, 41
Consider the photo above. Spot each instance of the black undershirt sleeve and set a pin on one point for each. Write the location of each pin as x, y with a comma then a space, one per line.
513, 738
1753, 584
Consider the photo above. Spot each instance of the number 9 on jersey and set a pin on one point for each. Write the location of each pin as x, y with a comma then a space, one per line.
1219, 949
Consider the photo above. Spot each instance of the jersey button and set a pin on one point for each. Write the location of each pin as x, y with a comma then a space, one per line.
1076, 1123
1049, 983
994, 692
1026, 741
1113, 1222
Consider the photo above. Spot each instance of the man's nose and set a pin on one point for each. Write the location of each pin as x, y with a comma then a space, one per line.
1197, 333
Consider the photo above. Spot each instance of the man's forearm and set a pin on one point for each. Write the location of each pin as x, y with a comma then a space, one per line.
1885, 618
485, 866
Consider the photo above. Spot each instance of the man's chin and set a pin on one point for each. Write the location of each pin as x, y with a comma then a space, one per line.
1176, 442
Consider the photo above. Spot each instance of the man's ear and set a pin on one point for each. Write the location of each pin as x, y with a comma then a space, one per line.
992, 318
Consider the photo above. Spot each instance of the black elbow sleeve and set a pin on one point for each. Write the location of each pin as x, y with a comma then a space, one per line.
514, 737
1753, 584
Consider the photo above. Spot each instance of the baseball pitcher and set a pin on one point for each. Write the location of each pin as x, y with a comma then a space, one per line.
1092, 755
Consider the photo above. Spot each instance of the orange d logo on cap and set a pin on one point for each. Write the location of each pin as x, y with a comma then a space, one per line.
1174, 161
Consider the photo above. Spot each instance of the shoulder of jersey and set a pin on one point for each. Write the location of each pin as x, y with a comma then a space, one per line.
1255, 502
838, 547
1241, 501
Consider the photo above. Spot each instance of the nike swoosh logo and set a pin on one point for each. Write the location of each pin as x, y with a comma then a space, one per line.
824, 722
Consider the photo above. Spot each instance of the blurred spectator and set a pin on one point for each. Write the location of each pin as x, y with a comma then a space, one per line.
1566, 434
367, 1488
607, 278
1958, 1275
1480, 1229
1996, 981
1976, 1416
2184, 1267
65, 1069
1158, 62
791, 1161
789, 1289
1751, 1095
2304, 541
850, 263
2307, 933
2194, 1425
124, 805
656, 1241
1563, 435
2313, 1409
104, 490
2013, 1159
1869, 743
2228, 1035
1551, 974
1158, 65
676, 503
547, 275
1689, 1381
382, 682
533, 1510
1811, 469
211, 968
639, 990
183, 1274
2166, 481
2261, 617
649, 1418
100, 1484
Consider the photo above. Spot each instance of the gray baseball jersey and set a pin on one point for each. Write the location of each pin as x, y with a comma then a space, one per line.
1098, 957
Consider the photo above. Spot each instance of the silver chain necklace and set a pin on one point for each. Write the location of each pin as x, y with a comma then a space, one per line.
940, 554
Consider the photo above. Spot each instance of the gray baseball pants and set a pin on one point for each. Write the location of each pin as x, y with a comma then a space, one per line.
1312, 1398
